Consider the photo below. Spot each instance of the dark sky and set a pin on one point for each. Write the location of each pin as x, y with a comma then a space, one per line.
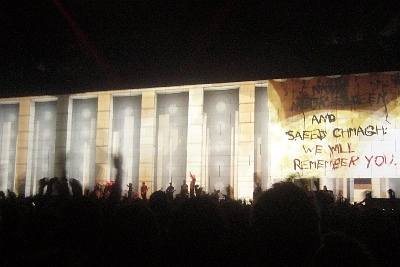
60, 46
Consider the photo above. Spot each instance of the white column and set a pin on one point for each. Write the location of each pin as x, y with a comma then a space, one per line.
22, 146
245, 148
376, 185
236, 158
350, 189
30, 180
102, 171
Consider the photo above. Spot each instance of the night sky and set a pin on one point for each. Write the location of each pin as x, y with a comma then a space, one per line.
59, 46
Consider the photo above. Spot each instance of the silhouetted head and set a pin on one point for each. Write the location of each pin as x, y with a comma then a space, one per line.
117, 162
198, 228
133, 235
284, 225
158, 201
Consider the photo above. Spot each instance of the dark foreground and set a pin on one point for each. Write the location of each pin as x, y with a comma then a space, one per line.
285, 226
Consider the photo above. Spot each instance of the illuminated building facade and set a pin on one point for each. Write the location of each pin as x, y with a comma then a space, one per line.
343, 130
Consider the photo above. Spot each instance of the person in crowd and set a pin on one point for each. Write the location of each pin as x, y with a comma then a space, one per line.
52, 187
64, 190
197, 234
391, 193
257, 191
133, 237
192, 183
378, 230
76, 187
130, 190
116, 191
170, 191
284, 227
108, 189
229, 192
281, 228
143, 191
198, 190
215, 195
340, 198
42, 185
160, 205
184, 189
368, 200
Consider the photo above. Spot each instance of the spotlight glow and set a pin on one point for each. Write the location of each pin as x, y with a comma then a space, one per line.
48, 115
86, 114
219, 186
85, 133
12, 117
46, 133
172, 109
221, 106
128, 111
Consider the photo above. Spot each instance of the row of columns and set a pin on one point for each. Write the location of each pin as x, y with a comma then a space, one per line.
242, 169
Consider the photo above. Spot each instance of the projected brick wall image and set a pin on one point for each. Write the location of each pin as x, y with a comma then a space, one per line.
339, 131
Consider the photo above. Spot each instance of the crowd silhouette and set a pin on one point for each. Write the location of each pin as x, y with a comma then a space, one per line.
285, 225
